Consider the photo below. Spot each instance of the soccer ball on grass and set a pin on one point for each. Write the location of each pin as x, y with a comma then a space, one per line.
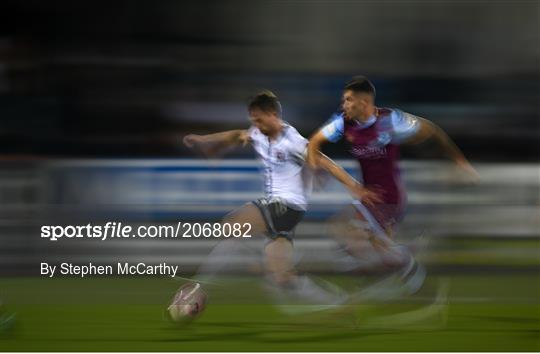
188, 303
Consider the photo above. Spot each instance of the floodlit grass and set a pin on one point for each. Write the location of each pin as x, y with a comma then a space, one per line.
485, 313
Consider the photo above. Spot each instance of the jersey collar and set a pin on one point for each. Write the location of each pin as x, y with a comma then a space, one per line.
368, 123
285, 126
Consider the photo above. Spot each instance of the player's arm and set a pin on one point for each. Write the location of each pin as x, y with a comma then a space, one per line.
354, 187
332, 131
314, 155
428, 130
212, 144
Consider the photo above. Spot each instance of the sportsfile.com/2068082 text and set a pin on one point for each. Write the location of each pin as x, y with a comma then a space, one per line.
110, 230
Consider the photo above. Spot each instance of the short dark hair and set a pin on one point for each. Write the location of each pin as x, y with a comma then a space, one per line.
266, 101
360, 84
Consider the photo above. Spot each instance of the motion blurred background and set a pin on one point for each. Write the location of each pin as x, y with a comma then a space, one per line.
125, 78
95, 97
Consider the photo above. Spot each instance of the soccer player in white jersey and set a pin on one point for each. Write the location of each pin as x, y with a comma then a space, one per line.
373, 136
287, 185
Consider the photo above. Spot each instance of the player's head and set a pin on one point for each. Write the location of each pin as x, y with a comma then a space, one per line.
358, 99
265, 112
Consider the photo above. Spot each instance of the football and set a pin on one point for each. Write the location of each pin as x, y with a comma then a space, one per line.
188, 303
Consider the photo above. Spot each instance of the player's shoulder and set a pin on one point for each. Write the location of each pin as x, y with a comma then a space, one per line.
394, 113
399, 116
386, 113
254, 133
292, 134
402, 124
391, 116
334, 127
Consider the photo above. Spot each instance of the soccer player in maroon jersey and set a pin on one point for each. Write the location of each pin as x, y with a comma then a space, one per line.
374, 135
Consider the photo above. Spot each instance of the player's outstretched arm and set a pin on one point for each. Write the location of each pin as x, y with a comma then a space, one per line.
214, 144
429, 130
356, 189
313, 153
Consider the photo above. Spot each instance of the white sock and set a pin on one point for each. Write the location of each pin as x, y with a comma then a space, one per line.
226, 256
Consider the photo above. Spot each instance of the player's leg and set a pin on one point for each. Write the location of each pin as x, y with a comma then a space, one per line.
382, 219
222, 259
224, 255
281, 220
354, 236
368, 241
247, 213
279, 263
351, 231
286, 284
283, 280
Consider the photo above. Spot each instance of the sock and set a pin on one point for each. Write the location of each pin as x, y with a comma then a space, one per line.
226, 256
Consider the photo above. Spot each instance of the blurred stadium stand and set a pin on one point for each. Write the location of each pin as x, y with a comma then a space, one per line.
125, 79
115, 85
163, 192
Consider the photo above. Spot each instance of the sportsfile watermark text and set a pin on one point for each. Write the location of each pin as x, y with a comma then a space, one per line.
119, 230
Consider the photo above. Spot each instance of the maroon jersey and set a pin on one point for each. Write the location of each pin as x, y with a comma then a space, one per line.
375, 145
378, 157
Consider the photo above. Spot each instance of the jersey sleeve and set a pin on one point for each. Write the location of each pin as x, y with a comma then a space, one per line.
334, 128
404, 126
252, 132
254, 135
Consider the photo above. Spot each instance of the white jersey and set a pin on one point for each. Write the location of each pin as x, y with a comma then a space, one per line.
283, 161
